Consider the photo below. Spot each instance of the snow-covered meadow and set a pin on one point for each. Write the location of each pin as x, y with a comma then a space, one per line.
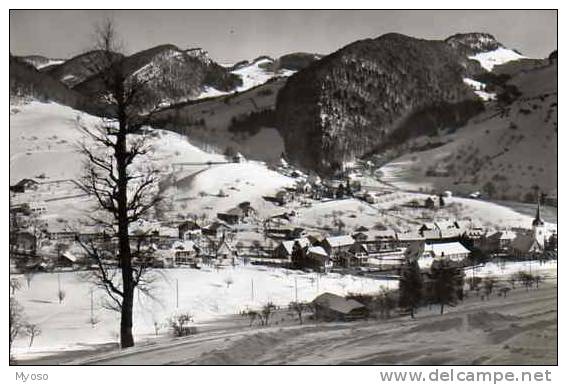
203, 293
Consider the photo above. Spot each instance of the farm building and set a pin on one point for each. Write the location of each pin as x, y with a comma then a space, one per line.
499, 241
24, 185
285, 249
332, 307
317, 258
336, 246
216, 230
452, 251
189, 230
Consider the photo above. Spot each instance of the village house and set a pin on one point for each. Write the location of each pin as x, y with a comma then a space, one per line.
189, 230
318, 259
225, 254
337, 246
451, 251
37, 208
181, 253
376, 240
24, 185
499, 241
356, 257
406, 239
285, 249
238, 214
332, 307
476, 237
23, 241
217, 230
286, 232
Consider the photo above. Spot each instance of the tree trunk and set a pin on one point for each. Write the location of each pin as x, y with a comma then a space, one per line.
412, 313
442, 308
126, 338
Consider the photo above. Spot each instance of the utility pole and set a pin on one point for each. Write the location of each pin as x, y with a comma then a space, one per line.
59, 286
295, 289
176, 293
92, 308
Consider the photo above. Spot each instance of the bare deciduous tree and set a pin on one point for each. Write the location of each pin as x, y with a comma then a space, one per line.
124, 191
300, 308
15, 285
17, 322
32, 330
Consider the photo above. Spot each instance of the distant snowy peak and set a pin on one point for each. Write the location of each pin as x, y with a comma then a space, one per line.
496, 57
40, 62
482, 47
201, 54
472, 43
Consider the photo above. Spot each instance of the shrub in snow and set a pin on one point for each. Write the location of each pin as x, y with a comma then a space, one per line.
228, 281
179, 324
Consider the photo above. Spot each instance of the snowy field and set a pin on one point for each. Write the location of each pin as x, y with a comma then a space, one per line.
519, 329
44, 138
202, 293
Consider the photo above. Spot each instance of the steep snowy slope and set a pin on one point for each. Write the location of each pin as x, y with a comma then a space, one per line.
210, 123
504, 152
252, 74
488, 60
43, 143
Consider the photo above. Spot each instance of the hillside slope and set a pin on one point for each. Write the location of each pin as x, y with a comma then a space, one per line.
173, 74
27, 81
505, 152
351, 101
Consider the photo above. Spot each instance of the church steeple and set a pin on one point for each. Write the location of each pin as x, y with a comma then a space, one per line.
537, 220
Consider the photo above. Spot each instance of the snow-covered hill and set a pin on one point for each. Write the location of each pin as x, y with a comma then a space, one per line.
488, 60
254, 74
504, 152
43, 143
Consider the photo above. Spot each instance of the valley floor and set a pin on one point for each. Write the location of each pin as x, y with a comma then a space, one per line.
518, 329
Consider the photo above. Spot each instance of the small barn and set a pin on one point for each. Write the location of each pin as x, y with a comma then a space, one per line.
317, 258
332, 307
24, 185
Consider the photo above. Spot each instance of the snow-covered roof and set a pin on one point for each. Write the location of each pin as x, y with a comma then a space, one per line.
380, 234
341, 240
318, 250
446, 249
409, 236
288, 245
184, 245
502, 235
337, 303
69, 256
